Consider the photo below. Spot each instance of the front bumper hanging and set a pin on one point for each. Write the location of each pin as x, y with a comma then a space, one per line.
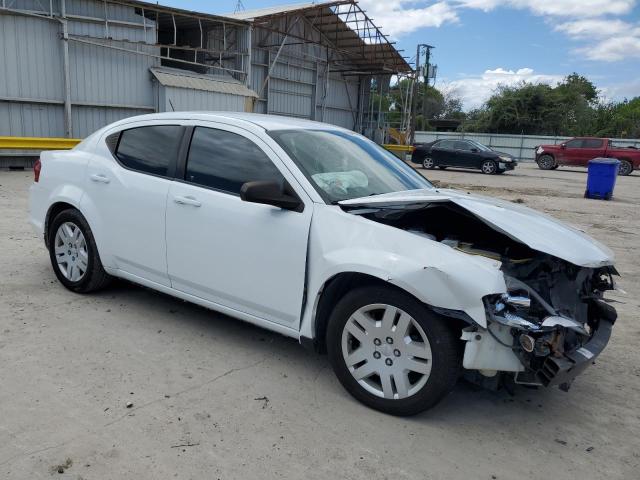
561, 370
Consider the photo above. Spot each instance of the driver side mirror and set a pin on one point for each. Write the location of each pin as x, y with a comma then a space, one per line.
271, 193
563, 145
474, 150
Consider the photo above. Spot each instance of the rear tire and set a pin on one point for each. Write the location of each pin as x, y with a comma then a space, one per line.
418, 339
74, 254
546, 162
625, 168
427, 163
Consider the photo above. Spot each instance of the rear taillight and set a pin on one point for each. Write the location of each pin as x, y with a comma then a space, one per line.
36, 170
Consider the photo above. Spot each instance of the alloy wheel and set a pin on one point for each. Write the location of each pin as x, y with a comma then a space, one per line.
625, 168
386, 351
546, 162
489, 167
427, 163
70, 248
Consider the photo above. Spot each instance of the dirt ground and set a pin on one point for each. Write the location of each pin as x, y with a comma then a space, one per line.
217, 398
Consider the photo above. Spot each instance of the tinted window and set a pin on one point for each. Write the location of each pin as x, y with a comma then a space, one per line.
446, 144
591, 143
463, 146
225, 161
574, 143
479, 146
150, 149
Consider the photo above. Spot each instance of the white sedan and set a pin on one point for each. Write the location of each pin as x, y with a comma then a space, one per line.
319, 234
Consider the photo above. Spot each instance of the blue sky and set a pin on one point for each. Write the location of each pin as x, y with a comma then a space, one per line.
483, 43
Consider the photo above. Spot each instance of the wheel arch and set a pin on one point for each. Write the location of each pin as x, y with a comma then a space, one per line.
336, 287
65, 204
484, 158
53, 210
548, 154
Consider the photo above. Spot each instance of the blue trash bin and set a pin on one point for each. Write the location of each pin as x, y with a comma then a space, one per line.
601, 178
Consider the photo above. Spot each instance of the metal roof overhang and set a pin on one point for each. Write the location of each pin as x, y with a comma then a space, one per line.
345, 28
169, 77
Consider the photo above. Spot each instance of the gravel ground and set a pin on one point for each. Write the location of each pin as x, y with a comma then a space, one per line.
216, 398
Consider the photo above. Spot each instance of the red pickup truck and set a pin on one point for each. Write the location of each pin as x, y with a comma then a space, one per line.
578, 151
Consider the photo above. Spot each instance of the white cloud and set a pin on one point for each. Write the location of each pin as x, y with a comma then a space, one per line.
565, 8
613, 49
620, 91
589, 22
474, 90
399, 17
594, 28
611, 39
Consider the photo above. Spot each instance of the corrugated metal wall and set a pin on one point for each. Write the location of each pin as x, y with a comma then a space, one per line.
102, 75
108, 84
30, 69
31, 120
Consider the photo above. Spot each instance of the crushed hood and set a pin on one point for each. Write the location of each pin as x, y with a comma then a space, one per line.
534, 229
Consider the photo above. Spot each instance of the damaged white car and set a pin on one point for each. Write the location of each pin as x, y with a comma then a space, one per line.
317, 233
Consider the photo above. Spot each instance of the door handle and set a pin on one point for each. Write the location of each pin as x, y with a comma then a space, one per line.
187, 200
99, 178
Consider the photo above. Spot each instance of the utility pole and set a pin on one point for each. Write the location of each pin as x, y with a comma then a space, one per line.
426, 80
414, 103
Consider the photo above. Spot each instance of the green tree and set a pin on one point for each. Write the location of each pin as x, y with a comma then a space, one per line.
437, 104
570, 108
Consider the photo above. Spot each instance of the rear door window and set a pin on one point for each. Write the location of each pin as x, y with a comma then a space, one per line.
153, 149
225, 161
445, 144
463, 146
592, 143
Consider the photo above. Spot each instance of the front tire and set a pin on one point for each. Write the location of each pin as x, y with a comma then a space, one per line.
74, 254
625, 168
489, 167
391, 352
546, 162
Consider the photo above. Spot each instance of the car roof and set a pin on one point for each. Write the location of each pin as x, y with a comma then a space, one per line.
268, 122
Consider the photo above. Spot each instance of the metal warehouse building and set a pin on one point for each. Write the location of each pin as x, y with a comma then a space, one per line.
68, 67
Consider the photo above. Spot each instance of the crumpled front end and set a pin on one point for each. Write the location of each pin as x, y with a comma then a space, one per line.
548, 328
552, 321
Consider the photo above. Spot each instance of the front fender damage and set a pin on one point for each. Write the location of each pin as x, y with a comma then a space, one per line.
547, 321
432, 272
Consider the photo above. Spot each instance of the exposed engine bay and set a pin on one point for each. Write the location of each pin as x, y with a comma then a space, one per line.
552, 319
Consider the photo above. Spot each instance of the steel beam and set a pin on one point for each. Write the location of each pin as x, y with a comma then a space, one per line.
273, 64
68, 126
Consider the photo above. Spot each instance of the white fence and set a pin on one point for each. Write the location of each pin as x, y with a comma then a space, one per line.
520, 146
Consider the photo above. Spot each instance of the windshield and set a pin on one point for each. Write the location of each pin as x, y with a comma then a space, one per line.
343, 165
479, 146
